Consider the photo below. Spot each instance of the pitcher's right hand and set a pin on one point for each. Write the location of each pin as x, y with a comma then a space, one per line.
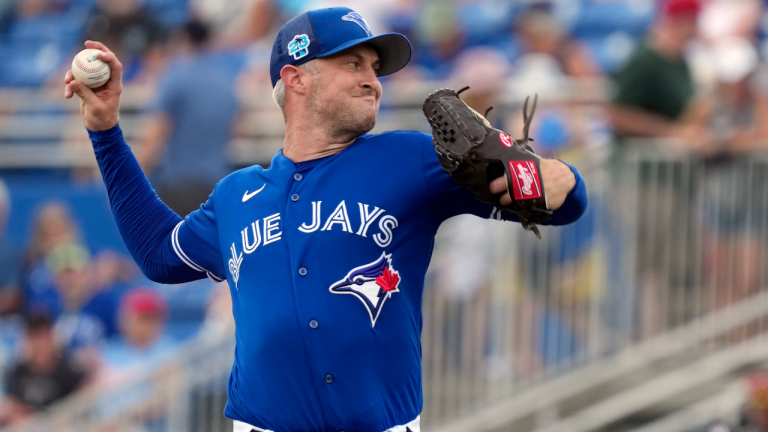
99, 107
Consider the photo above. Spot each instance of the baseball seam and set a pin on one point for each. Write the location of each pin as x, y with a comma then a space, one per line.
88, 70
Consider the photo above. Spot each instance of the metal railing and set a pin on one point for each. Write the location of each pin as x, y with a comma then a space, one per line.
661, 287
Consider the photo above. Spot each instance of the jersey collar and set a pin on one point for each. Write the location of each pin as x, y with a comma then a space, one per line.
280, 162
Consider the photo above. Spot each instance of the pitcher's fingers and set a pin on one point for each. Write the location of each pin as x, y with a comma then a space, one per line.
68, 91
80, 90
68, 77
97, 45
117, 68
505, 199
499, 185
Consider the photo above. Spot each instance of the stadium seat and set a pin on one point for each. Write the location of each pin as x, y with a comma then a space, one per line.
30, 65
46, 28
602, 18
172, 13
33, 49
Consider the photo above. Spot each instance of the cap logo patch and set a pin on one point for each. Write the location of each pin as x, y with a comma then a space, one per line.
297, 47
357, 19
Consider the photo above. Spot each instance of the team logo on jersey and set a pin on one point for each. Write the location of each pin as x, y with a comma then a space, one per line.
372, 283
358, 19
298, 46
525, 183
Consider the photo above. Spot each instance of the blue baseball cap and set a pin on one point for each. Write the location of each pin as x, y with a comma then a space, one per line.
325, 32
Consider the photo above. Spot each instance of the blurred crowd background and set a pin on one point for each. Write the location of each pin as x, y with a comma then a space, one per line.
691, 75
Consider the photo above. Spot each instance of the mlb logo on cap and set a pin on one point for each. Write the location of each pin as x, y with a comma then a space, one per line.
325, 32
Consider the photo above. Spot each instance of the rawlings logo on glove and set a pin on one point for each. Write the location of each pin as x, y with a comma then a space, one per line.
468, 149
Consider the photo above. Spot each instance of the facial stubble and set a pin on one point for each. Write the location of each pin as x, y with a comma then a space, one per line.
342, 121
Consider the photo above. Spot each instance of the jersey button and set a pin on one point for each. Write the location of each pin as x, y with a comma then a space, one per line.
295, 197
298, 176
302, 271
313, 324
328, 378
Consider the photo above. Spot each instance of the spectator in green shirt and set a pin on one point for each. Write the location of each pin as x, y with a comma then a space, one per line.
653, 90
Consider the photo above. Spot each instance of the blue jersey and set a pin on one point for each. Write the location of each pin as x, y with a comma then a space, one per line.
326, 262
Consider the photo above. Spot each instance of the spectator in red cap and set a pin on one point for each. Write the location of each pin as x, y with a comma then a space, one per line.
142, 344
655, 87
682, 7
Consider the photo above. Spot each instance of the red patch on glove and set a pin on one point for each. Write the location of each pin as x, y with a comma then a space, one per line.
525, 182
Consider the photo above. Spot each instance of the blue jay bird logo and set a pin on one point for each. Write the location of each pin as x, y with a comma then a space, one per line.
358, 19
297, 47
372, 283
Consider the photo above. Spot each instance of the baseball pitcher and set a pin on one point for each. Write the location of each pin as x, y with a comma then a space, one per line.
325, 251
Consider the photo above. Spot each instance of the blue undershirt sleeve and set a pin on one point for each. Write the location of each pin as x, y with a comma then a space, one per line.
152, 232
449, 199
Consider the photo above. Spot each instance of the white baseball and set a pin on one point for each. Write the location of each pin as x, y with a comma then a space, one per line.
89, 70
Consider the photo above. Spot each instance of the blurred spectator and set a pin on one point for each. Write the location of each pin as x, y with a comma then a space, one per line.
655, 87
439, 37
737, 111
541, 37
259, 35
43, 375
140, 347
10, 276
553, 66
141, 343
184, 150
484, 70
113, 271
133, 34
238, 21
557, 122
63, 284
730, 18
87, 315
53, 227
